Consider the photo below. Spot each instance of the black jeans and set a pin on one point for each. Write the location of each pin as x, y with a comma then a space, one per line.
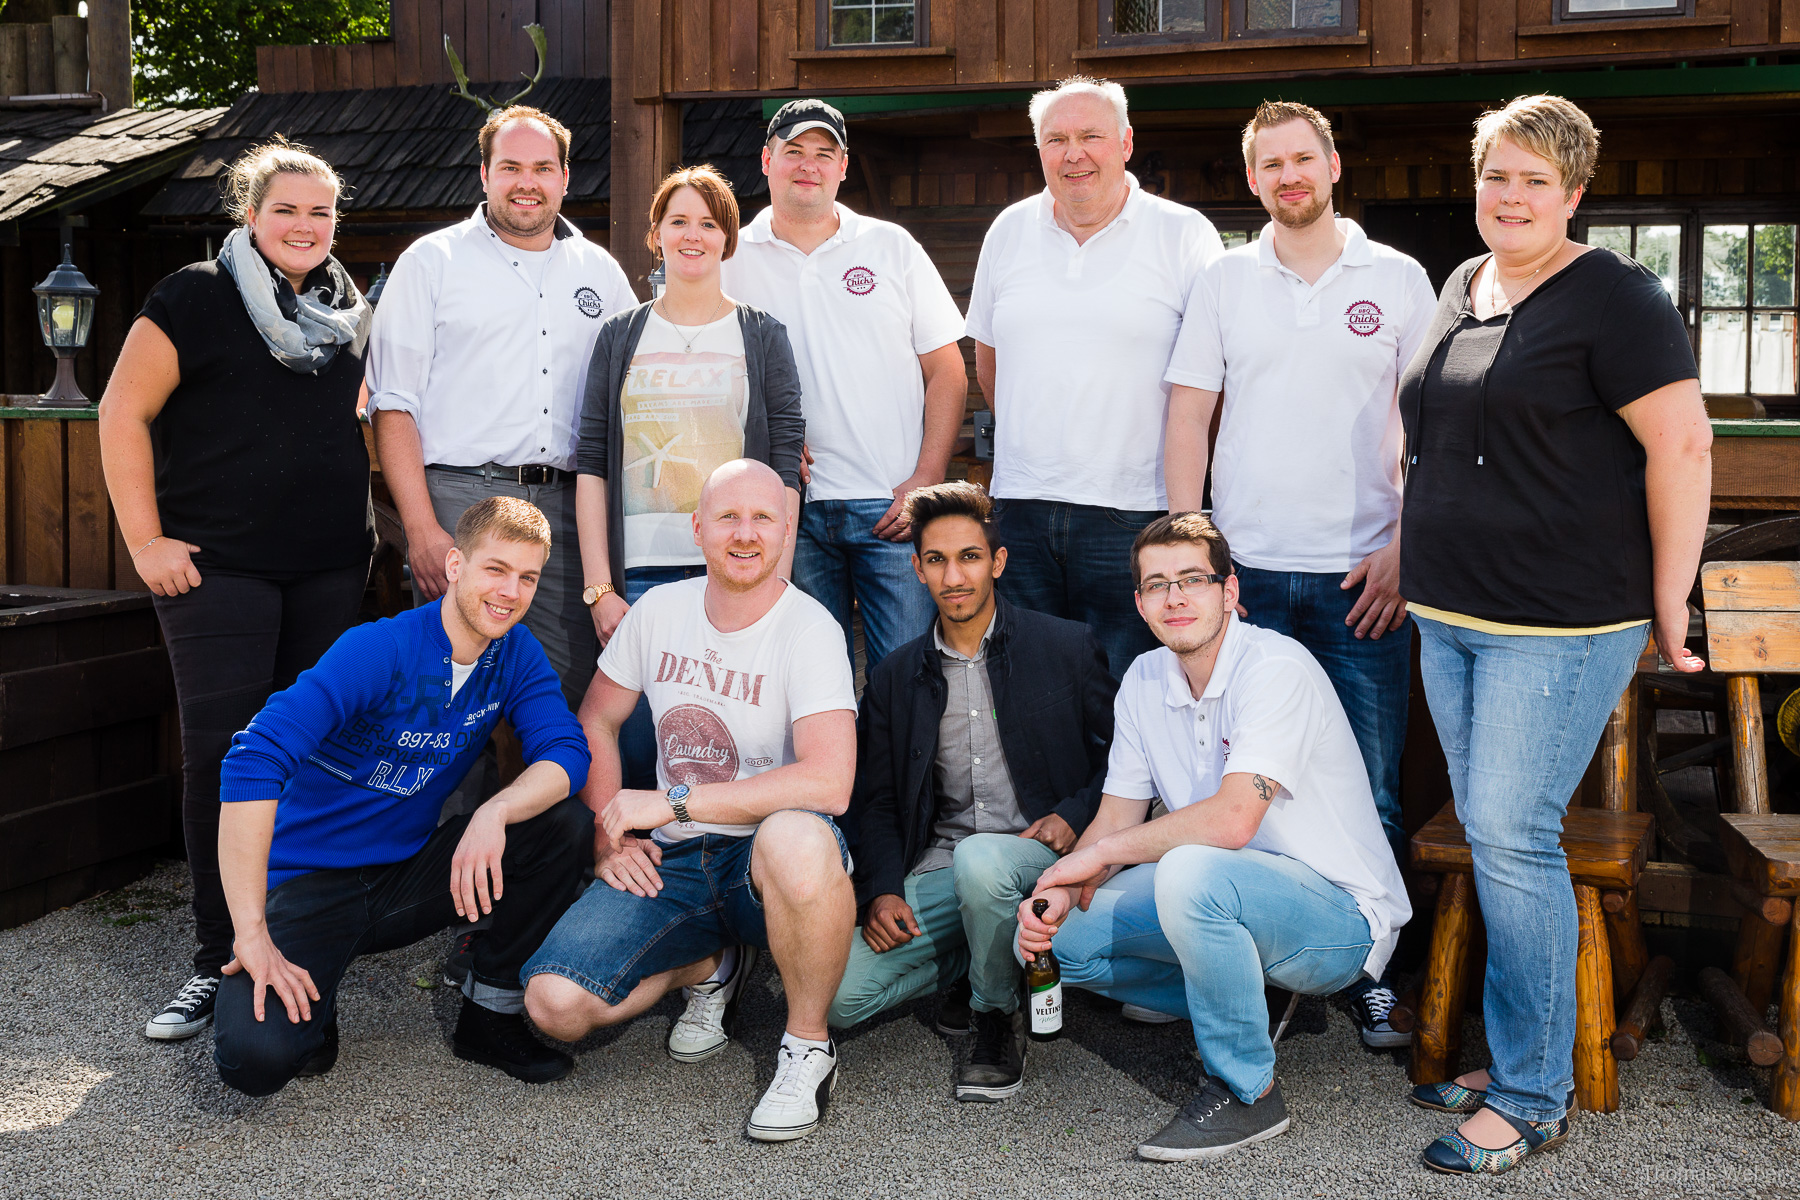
323, 920
234, 641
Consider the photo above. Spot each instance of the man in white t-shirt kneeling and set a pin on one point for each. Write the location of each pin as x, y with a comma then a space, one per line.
1269, 863
755, 710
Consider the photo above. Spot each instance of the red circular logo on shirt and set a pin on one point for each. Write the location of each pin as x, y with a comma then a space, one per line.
859, 281
1363, 318
695, 746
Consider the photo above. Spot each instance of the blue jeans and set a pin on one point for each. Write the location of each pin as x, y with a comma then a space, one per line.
1519, 718
1198, 932
610, 941
838, 556
1074, 561
637, 737
1371, 675
968, 915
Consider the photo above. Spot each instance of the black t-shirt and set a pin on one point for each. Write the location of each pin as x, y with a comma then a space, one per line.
1525, 488
262, 467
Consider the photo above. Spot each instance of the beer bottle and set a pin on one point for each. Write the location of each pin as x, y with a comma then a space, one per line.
1043, 980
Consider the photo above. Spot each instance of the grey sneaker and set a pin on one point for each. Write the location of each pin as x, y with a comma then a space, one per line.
1370, 1004
705, 1025
996, 1065
1215, 1122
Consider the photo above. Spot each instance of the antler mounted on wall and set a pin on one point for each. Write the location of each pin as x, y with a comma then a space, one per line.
536, 33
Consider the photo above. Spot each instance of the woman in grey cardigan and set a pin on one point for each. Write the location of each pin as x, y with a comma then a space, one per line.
676, 388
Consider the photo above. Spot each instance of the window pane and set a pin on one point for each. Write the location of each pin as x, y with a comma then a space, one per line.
894, 23
1621, 6
1722, 350
1183, 16
1659, 248
1611, 237
1772, 354
1135, 16
1774, 265
1725, 269
1318, 14
1293, 14
850, 27
1233, 238
1167, 16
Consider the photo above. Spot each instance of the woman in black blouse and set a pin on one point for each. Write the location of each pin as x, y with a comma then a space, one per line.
1558, 480
236, 465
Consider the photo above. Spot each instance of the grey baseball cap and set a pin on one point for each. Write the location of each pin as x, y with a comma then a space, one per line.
797, 116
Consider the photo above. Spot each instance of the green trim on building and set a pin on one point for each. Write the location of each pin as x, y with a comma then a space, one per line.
1723, 427
9, 413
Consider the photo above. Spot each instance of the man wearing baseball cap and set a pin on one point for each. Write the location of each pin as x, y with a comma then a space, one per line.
874, 332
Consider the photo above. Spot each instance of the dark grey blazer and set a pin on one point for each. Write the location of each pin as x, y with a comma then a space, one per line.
773, 426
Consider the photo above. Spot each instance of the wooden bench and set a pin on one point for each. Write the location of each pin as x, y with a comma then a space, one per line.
1607, 851
1753, 628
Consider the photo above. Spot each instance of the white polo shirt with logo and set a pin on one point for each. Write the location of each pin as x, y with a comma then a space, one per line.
859, 310
1081, 336
487, 346
1306, 470
1268, 710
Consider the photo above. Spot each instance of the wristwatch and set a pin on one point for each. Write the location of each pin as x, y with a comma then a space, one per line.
678, 801
590, 595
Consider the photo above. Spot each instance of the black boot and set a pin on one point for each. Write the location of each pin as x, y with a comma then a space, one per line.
322, 1059
996, 1065
501, 1040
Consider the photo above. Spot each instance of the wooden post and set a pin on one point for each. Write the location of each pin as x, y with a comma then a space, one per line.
12, 60
1784, 1092
1618, 754
109, 51
1643, 1008
1758, 956
40, 59
68, 36
1439, 1028
1625, 932
1596, 1071
1741, 1024
1749, 763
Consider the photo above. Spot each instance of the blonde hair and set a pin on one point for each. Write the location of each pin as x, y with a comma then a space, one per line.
1079, 85
506, 517
248, 178
1548, 126
1271, 113
502, 117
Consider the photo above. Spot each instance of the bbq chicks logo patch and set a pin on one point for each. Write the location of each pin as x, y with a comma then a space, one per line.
1363, 318
588, 301
859, 281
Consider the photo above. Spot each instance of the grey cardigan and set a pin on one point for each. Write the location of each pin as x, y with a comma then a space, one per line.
773, 426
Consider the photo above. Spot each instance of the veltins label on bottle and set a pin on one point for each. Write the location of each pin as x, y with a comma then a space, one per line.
1046, 1010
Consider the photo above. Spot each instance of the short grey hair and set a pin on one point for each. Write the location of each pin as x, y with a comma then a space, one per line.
1079, 85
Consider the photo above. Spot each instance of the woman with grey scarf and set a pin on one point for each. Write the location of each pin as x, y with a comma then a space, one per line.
237, 468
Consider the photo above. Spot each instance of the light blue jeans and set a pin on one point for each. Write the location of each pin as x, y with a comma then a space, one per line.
838, 557
1519, 718
1199, 932
968, 915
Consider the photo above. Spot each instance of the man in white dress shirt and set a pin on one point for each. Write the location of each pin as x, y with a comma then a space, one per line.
1078, 298
476, 366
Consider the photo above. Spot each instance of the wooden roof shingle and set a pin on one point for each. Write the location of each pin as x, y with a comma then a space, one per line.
50, 157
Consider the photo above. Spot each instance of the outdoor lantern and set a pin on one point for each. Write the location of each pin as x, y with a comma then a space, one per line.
657, 279
376, 286
65, 315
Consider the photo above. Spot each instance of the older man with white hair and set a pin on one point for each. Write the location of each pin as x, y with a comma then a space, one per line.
1078, 298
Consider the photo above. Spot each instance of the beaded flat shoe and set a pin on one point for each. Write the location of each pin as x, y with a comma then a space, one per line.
1454, 1154
1450, 1097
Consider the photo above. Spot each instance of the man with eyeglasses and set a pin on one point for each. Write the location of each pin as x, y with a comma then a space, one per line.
1270, 862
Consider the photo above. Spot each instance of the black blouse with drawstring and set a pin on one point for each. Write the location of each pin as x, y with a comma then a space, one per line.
1524, 487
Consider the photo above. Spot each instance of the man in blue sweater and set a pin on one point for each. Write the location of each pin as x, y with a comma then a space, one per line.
329, 845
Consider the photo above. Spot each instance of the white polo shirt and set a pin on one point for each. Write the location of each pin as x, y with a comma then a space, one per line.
488, 346
1306, 471
1081, 336
859, 310
1268, 710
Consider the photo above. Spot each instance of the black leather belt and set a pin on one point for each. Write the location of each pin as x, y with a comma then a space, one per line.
532, 475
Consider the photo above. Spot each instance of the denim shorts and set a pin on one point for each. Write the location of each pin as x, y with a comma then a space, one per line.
610, 940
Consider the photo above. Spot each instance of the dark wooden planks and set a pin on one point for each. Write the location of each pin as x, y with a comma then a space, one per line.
87, 694
741, 48
778, 41
84, 831
403, 25
88, 516
40, 480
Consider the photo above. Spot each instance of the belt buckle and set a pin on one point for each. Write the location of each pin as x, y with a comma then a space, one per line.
534, 475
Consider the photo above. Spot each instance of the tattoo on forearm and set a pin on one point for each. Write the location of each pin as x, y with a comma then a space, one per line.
1263, 787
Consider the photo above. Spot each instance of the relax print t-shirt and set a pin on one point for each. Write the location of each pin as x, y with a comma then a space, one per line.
682, 416
725, 704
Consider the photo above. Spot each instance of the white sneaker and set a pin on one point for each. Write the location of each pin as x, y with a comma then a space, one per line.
1147, 1016
188, 1013
795, 1102
704, 1027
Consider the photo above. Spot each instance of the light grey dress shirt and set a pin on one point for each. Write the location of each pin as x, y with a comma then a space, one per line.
973, 787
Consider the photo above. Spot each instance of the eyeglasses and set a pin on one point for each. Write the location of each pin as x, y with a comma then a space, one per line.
1186, 585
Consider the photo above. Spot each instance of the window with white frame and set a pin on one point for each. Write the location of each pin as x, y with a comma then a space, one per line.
873, 22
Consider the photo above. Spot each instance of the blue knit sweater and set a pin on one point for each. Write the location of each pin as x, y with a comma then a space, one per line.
363, 749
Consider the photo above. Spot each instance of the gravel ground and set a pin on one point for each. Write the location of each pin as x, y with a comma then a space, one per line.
90, 1108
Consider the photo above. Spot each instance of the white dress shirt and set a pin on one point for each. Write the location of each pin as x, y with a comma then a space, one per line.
1081, 336
487, 349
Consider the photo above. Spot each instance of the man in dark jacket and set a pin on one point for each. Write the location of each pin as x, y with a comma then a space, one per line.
983, 748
